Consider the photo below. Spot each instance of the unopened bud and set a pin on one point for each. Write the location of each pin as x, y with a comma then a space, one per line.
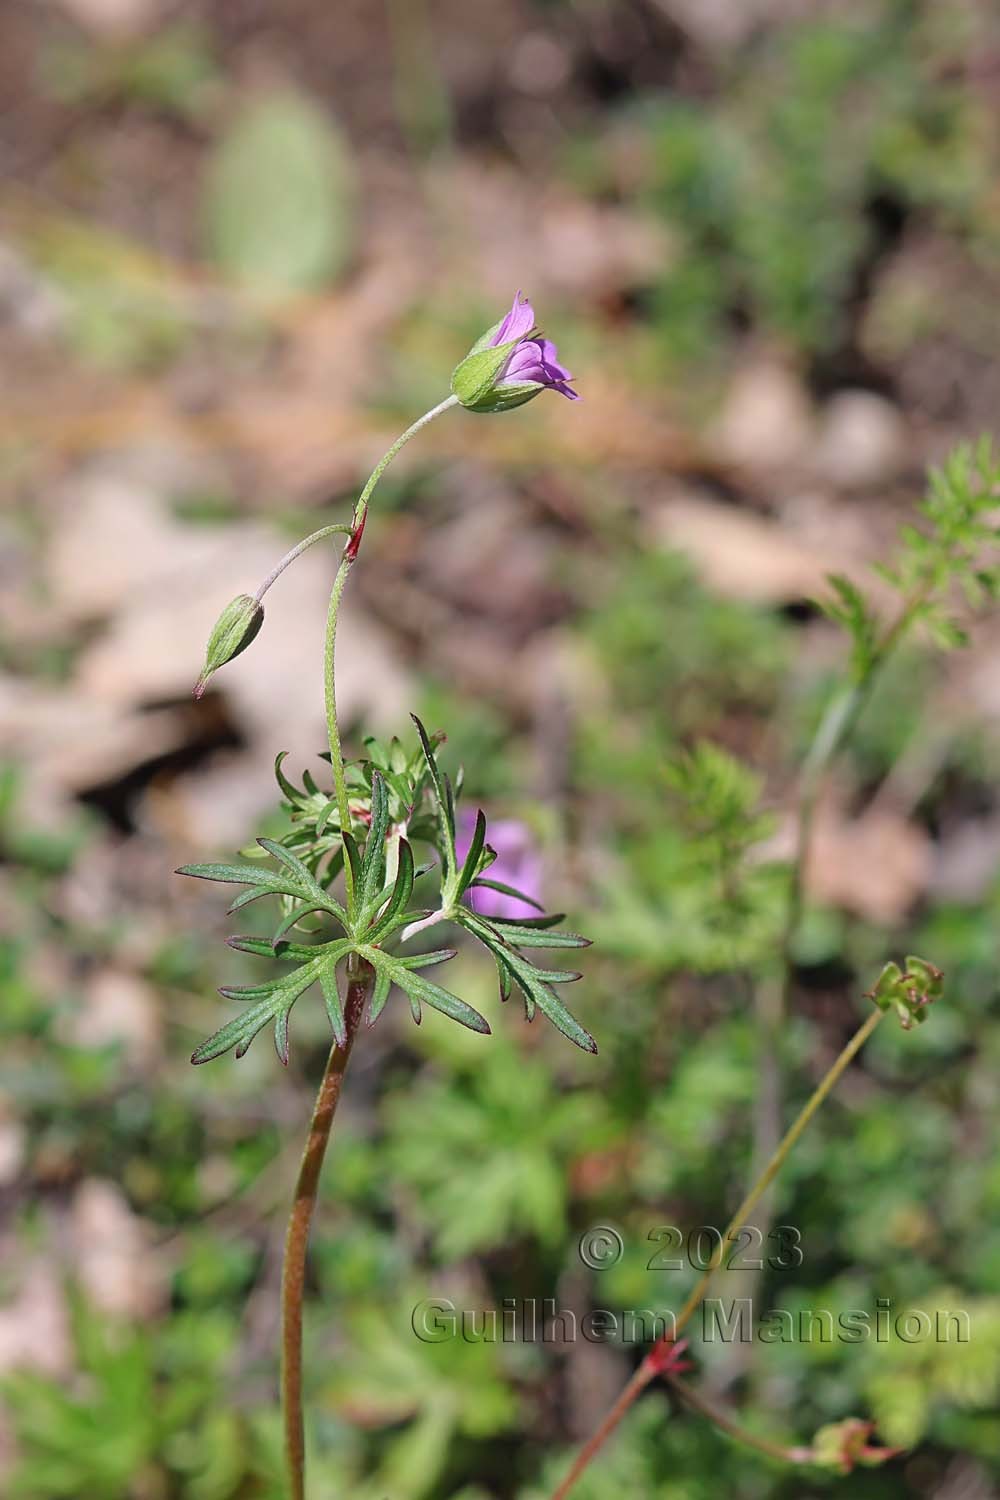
235, 628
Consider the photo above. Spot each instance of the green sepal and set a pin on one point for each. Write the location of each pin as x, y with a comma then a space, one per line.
232, 633
475, 378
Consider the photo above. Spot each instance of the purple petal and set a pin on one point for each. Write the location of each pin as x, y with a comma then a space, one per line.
519, 321
551, 361
536, 360
517, 864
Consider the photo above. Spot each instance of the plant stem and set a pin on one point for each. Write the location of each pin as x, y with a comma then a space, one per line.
650, 1369
833, 732
297, 551
349, 554
773, 1000
732, 1429
297, 1237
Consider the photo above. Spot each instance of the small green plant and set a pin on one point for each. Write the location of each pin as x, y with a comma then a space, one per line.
349, 859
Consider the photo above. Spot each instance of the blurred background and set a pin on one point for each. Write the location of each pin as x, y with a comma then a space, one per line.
241, 246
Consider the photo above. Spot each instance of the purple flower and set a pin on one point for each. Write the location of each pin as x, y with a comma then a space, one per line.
535, 357
510, 364
517, 864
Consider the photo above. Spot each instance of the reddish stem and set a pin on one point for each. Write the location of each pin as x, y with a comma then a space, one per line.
297, 1238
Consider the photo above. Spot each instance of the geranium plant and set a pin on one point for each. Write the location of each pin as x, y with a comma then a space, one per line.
356, 848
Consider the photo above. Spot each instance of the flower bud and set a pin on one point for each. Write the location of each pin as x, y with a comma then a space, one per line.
478, 380
510, 364
235, 628
842, 1445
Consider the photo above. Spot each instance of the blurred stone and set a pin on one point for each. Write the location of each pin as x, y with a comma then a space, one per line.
120, 1007
113, 18
876, 865
547, 241
714, 24
538, 64
743, 555
862, 440
766, 421
114, 541
34, 1327
112, 1254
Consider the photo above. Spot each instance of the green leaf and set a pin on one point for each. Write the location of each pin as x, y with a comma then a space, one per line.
294, 880
334, 1006
290, 791
534, 984
264, 948
392, 916
292, 863
274, 999
446, 824
354, 857
373, 863
238, 1033
507, 890
281, 1036
532, 936
238, 875
278, 199
294, 916
425, 991
380, 994
424, 960
470, 868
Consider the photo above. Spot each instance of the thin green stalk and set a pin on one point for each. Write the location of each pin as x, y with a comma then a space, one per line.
650, 1368
297, 551
347, 559
778, 1159
773, 1001
725, 1423
297, 1237
332, 727
833, 732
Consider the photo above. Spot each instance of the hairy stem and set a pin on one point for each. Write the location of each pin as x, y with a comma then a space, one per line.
297, 551
297, 1237
650, 1367
349, 554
